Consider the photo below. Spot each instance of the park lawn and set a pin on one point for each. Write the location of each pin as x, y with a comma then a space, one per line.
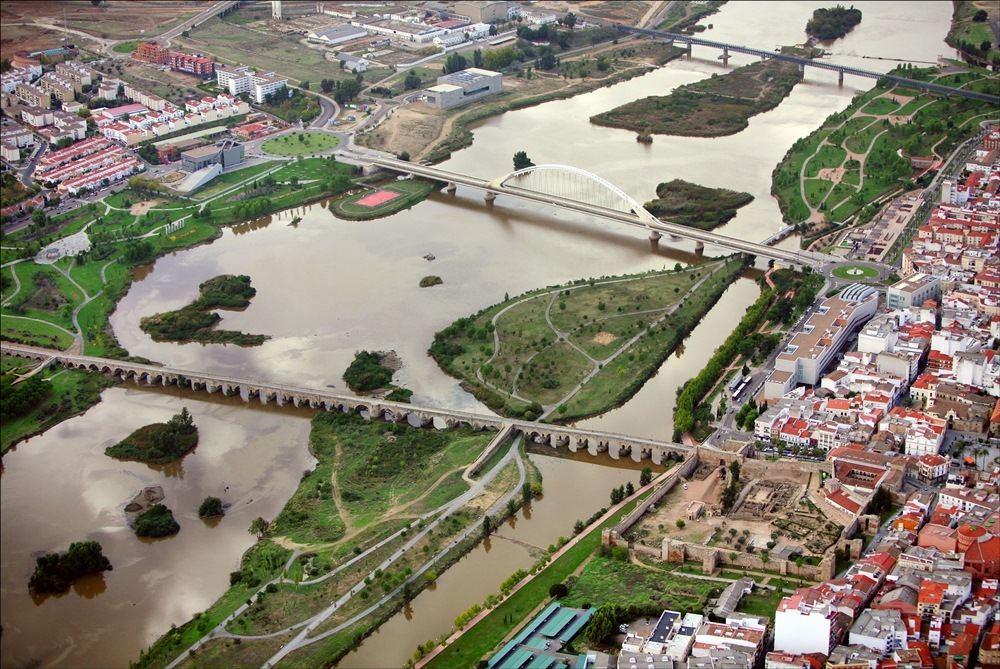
861, 141
785, 178
881, 106
379, 472
828, 156
312, 168
608, 581
194, 232
867, 272
73, 391
816, 190
45, 300
484, 636
913, 106
856, 123
655, 291
446, 490
34, 333
553, 373
125, 47
851, 178
229, 179
619, 327
300, 143
839, 194
411, 191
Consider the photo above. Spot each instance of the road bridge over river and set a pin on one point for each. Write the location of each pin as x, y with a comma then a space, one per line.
558, 436
728, 48
572, 188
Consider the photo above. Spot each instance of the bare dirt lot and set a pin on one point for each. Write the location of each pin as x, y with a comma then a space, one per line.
114, 19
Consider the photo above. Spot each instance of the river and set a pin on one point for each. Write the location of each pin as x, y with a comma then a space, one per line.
327, 288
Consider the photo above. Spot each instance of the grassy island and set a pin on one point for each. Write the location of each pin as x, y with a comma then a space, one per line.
829, 24
580, 349
55, 572
192, 323
370, 370
719, 105
158, 443
696, 206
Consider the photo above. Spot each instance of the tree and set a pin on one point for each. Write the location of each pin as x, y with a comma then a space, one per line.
493, 30
347, 90
734, 468
980, 16
186, 33
210, 508
569, 20
558, 590
455, 63
304, 85
258, 528
412, 81
477, 58
629, 489
680, 523
645, 476
327, 85
487, 526
405, 155
522, 161
526, 492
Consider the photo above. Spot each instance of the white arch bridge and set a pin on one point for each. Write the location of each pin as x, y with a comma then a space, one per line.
558, 436
576, 189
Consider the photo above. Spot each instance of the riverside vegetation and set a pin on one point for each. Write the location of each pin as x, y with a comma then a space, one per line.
191, 323
829, 24
861, 154
372, 481
158, 443
54, 572
610, 335
157, 522
719, 105
696, 206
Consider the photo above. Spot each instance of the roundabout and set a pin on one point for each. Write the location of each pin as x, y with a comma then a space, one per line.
299, 143
855, 272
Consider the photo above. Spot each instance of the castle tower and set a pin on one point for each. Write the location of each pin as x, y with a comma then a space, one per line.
275, 9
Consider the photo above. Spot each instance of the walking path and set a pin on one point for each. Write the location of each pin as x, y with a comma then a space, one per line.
309, 625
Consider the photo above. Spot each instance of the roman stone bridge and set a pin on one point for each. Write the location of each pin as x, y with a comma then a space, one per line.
557, 436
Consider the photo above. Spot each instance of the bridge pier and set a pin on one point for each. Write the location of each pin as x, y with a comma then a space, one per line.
699, 247
802, 70
689, 49
451, 187
654, 236
840, 77
490, 196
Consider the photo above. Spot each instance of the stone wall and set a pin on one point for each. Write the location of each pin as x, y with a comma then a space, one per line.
682, 470
712, 558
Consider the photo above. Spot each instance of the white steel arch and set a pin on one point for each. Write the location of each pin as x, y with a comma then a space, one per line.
558, 180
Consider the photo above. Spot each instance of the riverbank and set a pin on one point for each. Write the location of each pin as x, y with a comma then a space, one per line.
431, 136
857, 156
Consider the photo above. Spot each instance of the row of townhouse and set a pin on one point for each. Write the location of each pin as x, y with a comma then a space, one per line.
102, 177
82, 166
54, 159
139, 123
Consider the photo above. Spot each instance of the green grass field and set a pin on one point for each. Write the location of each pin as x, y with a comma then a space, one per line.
299, 143
411, 192
125, 47
855, 272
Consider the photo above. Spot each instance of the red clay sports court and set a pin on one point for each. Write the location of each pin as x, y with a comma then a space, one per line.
377, 198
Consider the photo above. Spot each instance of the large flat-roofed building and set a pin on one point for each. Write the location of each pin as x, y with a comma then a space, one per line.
241, 79
912, 291
483, 12
816, 345
338, 35
461, 87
